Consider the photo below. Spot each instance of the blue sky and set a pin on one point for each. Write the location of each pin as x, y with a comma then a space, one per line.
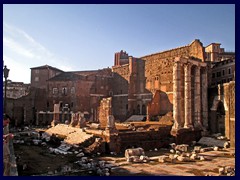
85, 37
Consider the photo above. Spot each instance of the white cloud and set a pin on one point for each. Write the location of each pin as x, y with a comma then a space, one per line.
27, 53
18, 48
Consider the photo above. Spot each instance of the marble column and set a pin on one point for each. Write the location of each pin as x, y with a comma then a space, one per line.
197, 99
204, 98
176, 96
188, 98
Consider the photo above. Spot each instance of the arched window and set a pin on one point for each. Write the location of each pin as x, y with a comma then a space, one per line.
144, 109
138, 109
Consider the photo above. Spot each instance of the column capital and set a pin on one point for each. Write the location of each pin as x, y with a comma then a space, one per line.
176, 64
187, 65
204, 69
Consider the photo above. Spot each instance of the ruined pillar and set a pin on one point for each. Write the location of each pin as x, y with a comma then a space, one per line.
188, 98
37, 118
204, 98
148, 115
56, 113
197, 98
176, 96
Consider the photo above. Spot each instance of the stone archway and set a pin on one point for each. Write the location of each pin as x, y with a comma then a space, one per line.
217, 122
220, 116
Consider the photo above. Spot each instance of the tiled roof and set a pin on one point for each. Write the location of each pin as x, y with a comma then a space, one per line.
47, 66
66, 76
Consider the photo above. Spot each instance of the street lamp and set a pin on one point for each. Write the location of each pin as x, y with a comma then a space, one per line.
5, 73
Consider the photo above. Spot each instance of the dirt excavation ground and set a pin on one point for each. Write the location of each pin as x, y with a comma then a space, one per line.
36, 160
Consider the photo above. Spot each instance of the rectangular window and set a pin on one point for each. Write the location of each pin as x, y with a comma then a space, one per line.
229, 70
73, 90
110, 93
213, 75
36, 71
55, 91
219, 74
36, 79
64, 91
223, 72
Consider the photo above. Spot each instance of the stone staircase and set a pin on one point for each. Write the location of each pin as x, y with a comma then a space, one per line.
73, 135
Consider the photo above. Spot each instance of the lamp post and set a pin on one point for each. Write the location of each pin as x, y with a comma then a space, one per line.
5, 73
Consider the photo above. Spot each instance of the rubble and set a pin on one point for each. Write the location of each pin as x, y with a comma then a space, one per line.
163, 158
134, 152
183, 159
206, 149
136, 155
229, 171
197, 149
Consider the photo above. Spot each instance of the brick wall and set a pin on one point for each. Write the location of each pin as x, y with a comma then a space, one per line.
105, 109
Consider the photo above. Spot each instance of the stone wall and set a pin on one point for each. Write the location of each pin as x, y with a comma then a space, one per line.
121, 79
222, 103
148, 140
194, 49
159, 66
186, 136
159, 75
229, 96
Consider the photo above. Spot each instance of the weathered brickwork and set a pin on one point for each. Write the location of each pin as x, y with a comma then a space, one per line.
40, 75
195, 50
105, 109
159, 66
82, 91
159, 75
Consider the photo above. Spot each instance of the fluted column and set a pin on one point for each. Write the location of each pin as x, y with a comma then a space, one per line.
204, 98
197, 99
188, 98
176, 95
